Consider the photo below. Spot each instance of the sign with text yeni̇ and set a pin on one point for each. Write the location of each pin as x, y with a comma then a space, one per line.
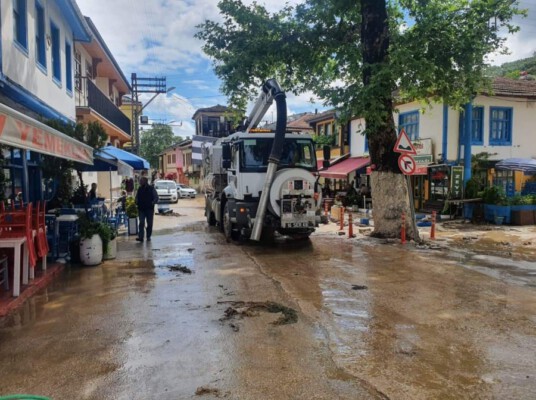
403, 145
456, 182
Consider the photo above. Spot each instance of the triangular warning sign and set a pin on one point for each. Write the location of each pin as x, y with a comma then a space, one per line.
403, 144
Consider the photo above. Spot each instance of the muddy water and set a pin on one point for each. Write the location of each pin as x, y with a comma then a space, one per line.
373, 321
414, 324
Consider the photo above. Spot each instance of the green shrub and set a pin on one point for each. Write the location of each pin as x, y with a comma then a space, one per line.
131, 208
88, 228
494, 195
471, 188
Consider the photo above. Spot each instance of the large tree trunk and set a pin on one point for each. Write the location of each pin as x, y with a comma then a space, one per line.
389, 189
391, 200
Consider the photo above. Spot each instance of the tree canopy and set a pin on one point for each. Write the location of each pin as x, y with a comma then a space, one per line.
436, 49
155, 140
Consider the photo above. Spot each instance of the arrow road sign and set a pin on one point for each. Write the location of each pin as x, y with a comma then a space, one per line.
403, 144
407, 164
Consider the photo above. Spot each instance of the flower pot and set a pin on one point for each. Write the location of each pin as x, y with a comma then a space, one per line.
91, 250
111, 250
133, 226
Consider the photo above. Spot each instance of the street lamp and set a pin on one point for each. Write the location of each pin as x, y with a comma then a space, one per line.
137, 114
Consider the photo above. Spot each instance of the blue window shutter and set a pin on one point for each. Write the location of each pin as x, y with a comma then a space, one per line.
20, 23
40, 40
68, 67
477, 134
56, 57
500, 126
409, 121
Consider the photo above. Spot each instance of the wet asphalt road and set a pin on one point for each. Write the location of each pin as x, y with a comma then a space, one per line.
374, 321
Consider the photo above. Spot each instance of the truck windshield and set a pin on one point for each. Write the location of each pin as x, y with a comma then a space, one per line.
297, 153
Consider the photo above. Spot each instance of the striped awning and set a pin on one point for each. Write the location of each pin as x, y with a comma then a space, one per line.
527, 165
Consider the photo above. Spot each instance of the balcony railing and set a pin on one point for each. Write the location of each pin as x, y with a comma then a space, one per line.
89, 95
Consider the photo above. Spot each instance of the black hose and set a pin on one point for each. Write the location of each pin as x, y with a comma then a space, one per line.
281, 124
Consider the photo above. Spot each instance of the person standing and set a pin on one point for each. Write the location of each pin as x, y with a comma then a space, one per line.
146, 198
129, 186
92, 194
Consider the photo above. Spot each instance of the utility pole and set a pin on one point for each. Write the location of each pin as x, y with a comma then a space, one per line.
143, 85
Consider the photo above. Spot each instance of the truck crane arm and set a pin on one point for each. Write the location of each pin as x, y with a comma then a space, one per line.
262, 104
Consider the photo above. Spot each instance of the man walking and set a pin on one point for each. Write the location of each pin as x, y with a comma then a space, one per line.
146, 198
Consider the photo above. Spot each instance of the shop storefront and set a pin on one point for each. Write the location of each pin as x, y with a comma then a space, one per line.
24, 139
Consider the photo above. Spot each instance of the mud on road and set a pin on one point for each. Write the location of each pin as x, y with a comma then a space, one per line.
192, 316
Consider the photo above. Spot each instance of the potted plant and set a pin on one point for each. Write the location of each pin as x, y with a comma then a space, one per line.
110, 251
132, 215
496, 205
94, 239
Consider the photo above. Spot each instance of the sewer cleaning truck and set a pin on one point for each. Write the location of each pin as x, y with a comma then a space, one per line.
258, 182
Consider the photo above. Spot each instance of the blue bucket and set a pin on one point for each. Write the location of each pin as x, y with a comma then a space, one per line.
364, 221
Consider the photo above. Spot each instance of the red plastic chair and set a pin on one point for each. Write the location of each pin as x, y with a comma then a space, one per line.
40, 229
18, 223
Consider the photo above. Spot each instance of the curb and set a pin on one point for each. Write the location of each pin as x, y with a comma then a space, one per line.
9, 304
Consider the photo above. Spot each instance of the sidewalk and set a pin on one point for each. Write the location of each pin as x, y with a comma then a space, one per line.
42, 279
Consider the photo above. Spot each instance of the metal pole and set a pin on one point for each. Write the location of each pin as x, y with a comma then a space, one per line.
412, 211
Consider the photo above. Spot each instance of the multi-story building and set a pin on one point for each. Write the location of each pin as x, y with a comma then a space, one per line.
99, 89
177, 160
502, 127
37, 84
213, 121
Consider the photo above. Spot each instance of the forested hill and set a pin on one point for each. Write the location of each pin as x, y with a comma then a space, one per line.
512, 69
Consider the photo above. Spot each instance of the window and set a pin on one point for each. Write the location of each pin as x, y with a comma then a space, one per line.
500, 126
40, 46
20, 23
169, 158
56, 61
78, 70
409, 121
173, 159
477, 134
366, 144
68, 67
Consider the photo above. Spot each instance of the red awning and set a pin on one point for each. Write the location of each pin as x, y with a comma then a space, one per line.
343, 168
20, 131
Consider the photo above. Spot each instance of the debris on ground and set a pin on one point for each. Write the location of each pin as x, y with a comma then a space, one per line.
241, 309
203, 390
180, 268
359, 287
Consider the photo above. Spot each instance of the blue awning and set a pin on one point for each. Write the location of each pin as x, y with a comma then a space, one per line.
133, 160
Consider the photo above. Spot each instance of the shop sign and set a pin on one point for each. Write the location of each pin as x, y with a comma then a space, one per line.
20, 131
421, 163
422, 146
456, 182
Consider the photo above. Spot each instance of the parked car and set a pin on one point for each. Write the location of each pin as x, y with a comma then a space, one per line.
185, 191
166, 190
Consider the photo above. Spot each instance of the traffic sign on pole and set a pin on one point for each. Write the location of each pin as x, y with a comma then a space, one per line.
403, 144
407, 164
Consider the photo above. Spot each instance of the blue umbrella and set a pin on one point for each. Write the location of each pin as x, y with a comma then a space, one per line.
527, 165
133, 160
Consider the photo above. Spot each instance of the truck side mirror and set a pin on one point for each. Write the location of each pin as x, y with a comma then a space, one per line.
226, 155
327, 156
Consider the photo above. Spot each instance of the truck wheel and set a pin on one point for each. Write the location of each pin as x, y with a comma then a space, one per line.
228, 230
211, 220
227, 224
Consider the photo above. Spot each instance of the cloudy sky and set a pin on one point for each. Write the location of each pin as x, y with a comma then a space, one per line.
155, 38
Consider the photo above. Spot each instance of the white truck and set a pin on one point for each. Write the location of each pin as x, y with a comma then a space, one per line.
259, 182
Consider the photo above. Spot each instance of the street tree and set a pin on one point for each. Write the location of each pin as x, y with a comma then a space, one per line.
155, 140
354, 55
